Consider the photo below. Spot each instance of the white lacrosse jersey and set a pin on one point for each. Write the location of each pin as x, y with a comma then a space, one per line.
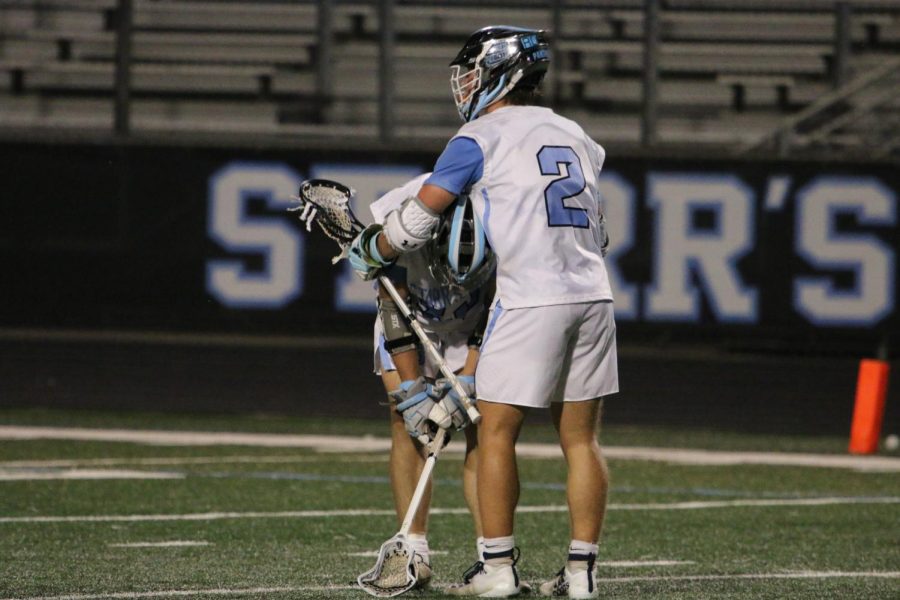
538, 201
438, 308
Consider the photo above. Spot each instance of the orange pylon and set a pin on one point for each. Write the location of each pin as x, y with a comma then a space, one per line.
868, 413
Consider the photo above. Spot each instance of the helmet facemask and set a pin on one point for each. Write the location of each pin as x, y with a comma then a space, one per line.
464, 83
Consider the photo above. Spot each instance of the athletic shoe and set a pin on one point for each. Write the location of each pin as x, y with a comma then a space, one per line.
488, 581
472, 571
423, 572
524, 586
581, 583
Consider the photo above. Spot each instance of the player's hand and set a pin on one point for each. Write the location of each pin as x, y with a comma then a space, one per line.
363, 253
451, 401
422, 415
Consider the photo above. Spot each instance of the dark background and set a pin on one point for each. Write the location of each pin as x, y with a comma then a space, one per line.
98, 240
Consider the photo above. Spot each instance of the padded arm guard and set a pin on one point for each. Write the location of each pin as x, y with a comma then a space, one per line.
409, 227
398, 337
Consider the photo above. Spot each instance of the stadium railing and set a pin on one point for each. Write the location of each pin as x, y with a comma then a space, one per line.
728, 72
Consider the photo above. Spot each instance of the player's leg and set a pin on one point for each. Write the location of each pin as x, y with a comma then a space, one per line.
587, 484
405, 465
590, 373
470, 482
517, 371
453, 352
397, 359
588, 478
406, 462
497, 433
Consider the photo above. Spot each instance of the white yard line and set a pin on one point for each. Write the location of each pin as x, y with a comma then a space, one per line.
326, 443
368, 512
169, 544
790, 575
374, 553
187, 460
83, 474
197, 593
627, 564
334, 588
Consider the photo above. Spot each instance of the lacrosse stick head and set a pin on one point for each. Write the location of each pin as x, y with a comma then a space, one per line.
327, 203
394, 572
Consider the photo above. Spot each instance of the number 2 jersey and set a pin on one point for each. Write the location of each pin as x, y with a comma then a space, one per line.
534, 187
438, 308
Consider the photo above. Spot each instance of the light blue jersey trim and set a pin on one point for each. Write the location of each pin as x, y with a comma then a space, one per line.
459, 166
487, 215
498, 310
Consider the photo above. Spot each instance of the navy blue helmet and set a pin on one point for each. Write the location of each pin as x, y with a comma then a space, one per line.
494, 61
459, 250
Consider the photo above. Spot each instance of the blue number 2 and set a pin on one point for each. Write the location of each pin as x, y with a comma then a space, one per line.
558, 214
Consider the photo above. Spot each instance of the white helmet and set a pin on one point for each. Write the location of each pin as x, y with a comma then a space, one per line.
460, 255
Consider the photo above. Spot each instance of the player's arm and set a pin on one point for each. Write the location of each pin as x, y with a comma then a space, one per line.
466, 375
422, 211
399, 340
410, 226
415, 398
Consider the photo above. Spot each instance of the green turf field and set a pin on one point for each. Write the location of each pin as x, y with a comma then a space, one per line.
250, 521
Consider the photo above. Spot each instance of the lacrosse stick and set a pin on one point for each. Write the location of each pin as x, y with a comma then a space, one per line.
396, 570
328, 204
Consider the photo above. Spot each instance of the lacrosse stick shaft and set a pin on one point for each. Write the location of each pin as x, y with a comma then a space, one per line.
437, 445
473, 413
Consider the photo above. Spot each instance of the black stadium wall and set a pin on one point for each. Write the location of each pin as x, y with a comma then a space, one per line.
791, 262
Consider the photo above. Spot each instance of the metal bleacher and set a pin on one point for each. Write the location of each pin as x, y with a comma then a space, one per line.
730, 73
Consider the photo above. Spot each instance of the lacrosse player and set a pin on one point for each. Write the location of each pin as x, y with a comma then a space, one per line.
448, 284
550, 340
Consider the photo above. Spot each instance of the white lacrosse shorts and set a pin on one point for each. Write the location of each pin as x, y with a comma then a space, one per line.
559, 353
452, 345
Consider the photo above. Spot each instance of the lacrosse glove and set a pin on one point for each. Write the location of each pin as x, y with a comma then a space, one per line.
365, 259
421, 414
451, 401
604, 235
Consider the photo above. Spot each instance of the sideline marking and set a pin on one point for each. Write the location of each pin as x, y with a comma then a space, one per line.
368, 512
327, 443
331, 588
170, 544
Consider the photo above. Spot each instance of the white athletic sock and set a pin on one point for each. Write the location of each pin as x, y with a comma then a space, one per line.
499, 550
419, 544
579, 553
479, 547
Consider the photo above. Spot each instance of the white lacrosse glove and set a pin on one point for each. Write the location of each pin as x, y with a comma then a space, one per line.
451, 401
364, 256
421, 414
